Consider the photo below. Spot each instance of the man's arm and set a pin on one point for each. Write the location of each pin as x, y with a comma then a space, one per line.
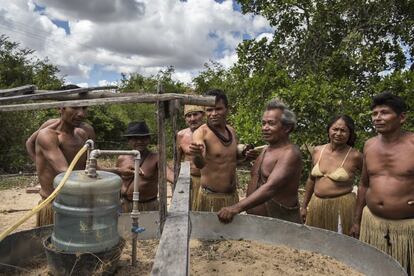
48, 143
180, 154
286, 168
31, 141
309, 188
170, 175
198, 148
123, 168
360, 202
89, 130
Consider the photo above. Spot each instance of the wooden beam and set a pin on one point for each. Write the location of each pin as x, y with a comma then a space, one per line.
141, 98
175, 109
91, 95
26, 89
172, 257
48, 94
162, 161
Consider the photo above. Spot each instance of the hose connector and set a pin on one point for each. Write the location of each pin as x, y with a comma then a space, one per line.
90, 144
93, 163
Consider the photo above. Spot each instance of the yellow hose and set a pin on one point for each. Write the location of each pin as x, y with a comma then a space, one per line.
49, 199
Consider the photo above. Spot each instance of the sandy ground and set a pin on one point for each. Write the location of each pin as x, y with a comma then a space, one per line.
232, 258
14, 203
207, 257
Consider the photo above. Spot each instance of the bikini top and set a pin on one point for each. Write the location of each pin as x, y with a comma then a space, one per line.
338, 175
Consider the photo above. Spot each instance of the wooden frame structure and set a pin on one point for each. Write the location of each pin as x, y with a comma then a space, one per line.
15, 99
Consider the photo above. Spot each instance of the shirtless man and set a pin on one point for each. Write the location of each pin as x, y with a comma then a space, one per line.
194, 116
55, 148
387, 184
53, 124
139, 139
214, 151
273, 189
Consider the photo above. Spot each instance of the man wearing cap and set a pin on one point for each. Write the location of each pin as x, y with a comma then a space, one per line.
138, 136
194, 116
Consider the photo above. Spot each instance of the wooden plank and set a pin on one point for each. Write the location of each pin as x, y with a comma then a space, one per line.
91, 95
141, 98
26, 89
162, 161
175, 108
42, 95
50, 94
172, 257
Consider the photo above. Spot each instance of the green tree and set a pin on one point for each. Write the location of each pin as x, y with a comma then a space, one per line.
110, 122
341, 39
20, 67
325, 58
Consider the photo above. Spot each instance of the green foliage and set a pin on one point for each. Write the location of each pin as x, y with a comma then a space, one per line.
325, 58
19, 67
110, 122
340, 39
17, 181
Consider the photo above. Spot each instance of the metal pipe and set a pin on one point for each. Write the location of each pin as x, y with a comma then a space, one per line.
91, 172
92, 164
135, 212
91, 146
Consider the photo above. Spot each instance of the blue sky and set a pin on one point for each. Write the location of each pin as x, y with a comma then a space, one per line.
93, 42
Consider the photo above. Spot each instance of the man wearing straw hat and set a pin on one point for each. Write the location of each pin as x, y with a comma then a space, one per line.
194, 116
273, 188
384, 213
139, 138
55, 148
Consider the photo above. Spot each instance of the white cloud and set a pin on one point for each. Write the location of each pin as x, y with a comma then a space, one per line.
107, 83
268, 36
129, 35
82, 84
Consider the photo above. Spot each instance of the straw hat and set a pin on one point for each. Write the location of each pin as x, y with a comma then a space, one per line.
192, 108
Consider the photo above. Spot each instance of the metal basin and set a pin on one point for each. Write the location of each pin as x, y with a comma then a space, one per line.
18, 248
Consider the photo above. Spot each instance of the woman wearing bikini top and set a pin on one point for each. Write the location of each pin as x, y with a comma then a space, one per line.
329, 202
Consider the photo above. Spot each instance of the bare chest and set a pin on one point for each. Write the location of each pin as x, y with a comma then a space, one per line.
215, 149
185, 143
70, 144
396, 161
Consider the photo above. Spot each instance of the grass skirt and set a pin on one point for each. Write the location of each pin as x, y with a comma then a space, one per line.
153, 205
394, 237
45, 216
213, 202
325, 212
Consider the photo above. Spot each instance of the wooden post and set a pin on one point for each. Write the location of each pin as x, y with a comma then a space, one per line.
175, 108
162, 161
173, 253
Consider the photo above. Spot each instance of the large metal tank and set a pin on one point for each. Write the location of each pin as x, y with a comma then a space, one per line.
86, 217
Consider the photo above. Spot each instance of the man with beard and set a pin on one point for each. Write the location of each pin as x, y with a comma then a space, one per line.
275, 176
55, 148
387, 184
194, 116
